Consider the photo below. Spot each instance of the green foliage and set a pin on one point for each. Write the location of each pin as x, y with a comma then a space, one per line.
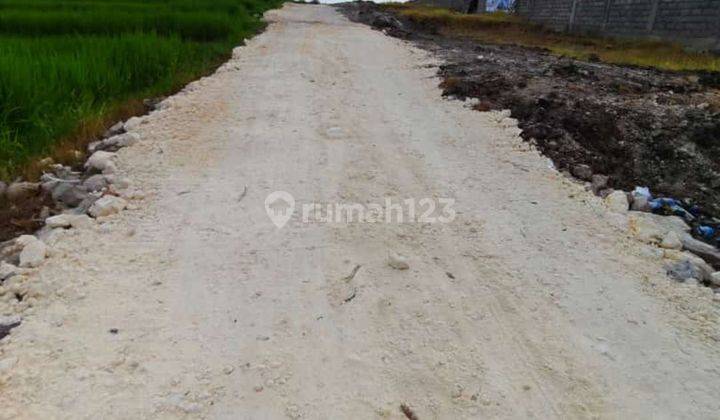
63, 62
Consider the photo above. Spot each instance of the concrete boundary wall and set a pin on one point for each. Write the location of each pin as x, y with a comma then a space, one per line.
695, 23
457, 5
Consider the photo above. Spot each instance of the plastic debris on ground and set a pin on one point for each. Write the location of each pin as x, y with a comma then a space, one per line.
704, 228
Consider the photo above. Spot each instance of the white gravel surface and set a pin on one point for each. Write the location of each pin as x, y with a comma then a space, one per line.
533, 302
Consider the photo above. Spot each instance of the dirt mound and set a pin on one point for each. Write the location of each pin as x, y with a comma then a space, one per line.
640, 127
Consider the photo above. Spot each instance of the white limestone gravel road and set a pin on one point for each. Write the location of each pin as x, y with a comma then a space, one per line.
192, 304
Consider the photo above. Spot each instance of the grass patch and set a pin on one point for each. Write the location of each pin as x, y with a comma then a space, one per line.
69, 68
501, 28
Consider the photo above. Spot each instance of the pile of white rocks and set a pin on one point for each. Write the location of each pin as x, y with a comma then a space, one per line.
96, 192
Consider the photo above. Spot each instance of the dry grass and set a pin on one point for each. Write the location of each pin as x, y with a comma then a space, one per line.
501, 28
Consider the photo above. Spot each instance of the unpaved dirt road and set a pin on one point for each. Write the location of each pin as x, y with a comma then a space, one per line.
193, 304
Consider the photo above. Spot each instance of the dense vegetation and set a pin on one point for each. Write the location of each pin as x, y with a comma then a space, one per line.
67, 67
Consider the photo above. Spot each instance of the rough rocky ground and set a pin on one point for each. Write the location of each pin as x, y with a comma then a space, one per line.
192, 304
638, 126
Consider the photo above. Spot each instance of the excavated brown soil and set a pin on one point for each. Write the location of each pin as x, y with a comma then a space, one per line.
641, 127
24, 217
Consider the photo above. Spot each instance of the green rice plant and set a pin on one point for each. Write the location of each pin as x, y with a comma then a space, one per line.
66, 65
198, 26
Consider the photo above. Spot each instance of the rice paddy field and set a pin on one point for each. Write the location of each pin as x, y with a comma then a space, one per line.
69, 68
